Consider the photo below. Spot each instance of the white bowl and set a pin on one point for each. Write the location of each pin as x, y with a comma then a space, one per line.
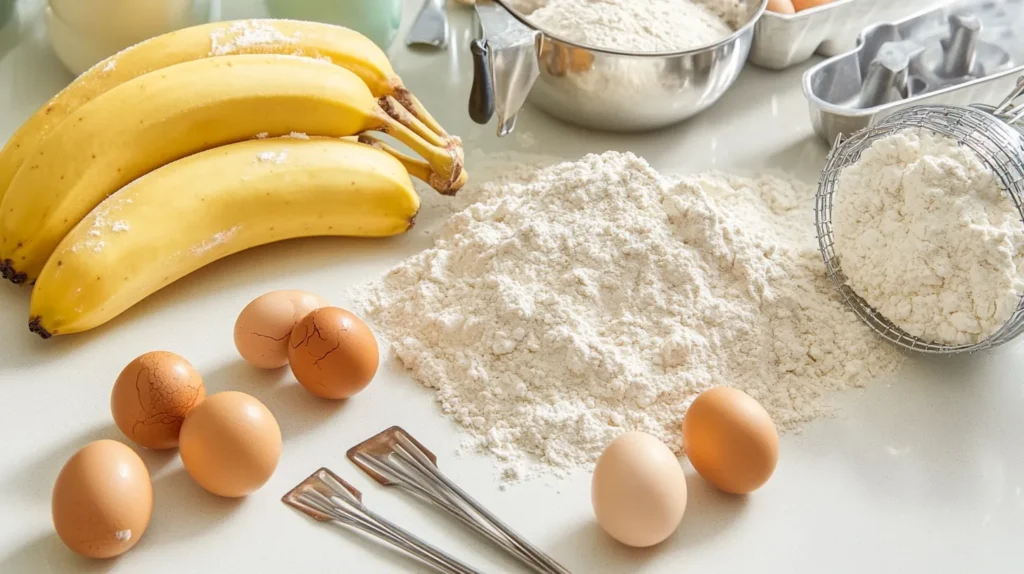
77, 51
124, 22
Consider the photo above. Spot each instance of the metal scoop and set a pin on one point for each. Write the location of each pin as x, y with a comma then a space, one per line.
395, 458
325, 497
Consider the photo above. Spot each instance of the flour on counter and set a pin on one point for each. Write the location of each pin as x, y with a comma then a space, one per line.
926, 236
568, 304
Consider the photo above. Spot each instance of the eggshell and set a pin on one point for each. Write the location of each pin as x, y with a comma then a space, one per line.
638, 490
102, 500
781, 6
263, 327
230, 444
333, 353
152, 396
799, 5
731, 440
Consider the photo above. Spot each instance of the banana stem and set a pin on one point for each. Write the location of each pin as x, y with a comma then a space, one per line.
446, 163
413, 105
416, 167
393, 108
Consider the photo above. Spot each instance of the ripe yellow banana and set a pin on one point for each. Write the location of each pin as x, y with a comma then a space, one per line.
172, 113
197, 210
341, 46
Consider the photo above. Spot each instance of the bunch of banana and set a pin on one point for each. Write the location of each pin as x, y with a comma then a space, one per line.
340, 46
177, 129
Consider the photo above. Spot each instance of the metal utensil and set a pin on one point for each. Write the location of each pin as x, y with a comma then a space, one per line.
592, 87
325, 497
969, 51
431, 26
994, 133
395, 458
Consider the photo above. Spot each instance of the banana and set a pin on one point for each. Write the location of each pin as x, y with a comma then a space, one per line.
166, 115
197, 210
341, 46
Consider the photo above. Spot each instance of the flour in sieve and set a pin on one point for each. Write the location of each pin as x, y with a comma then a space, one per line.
566, 305
927, 237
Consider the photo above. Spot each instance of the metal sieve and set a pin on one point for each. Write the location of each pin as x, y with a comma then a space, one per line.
994, 133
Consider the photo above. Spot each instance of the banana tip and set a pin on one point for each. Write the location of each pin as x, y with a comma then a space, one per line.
35, 325
7, 271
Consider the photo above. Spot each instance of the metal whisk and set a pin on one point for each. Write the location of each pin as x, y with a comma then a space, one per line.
994, 133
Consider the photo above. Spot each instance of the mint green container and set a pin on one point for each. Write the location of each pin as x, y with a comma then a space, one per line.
6, 8
376, 19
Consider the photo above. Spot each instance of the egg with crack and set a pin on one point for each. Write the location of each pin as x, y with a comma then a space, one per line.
151, 397
333, 353
263, 327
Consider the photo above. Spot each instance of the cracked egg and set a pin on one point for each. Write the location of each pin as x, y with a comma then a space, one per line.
151, 397
263, 327
333, 353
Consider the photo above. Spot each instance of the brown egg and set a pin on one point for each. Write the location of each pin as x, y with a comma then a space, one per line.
638, 490
808, 4
230, 444
152, 396
781, 6
333, 353
102, 500
263, 327
730, 440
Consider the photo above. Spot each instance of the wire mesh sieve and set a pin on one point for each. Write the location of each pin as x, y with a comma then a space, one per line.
992, 133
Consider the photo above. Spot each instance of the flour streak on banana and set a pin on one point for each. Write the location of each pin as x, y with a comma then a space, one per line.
172, 113
341, 46
197, 210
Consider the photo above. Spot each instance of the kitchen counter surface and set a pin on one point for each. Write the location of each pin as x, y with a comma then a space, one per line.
923, 472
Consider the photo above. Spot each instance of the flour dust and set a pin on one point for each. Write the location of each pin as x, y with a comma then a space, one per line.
567, 304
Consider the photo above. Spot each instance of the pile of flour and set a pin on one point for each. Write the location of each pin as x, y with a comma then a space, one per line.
637, 25
928, 238
568, 304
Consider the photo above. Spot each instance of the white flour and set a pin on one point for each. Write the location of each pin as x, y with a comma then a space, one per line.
246, 35
277, 157
567, 305
927, 237
638, 25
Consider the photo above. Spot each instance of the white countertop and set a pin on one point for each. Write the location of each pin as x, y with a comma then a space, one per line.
924, 473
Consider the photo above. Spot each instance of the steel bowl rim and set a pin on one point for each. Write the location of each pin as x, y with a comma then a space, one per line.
732, 38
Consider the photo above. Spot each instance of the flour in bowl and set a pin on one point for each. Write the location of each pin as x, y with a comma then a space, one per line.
566, 305
637, 25
927, 237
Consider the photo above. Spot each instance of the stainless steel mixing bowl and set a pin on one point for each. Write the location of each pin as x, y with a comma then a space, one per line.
596, 88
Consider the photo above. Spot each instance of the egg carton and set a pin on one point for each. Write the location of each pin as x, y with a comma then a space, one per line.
962, 53
784, 40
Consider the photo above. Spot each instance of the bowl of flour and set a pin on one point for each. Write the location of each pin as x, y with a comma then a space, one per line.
615, 65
